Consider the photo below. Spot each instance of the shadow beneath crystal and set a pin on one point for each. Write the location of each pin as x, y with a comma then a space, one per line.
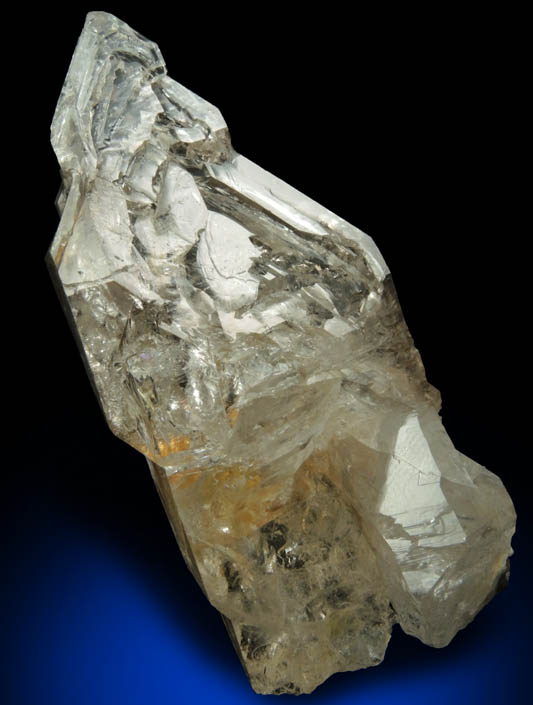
106, 493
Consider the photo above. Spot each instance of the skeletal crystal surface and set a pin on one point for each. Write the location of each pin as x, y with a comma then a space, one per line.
250, 344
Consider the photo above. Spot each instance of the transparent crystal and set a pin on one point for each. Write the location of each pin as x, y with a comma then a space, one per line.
250, 344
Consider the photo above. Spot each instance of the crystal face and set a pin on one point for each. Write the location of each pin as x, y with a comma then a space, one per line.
250, 344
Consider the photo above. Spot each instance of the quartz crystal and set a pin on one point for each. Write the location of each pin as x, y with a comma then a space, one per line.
250, 344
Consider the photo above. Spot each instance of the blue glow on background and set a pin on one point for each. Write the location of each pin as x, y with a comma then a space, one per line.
91, 624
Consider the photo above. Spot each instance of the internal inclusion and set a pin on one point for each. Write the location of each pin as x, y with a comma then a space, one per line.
250, 344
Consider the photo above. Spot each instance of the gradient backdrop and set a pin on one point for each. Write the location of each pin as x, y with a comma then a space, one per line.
412, 136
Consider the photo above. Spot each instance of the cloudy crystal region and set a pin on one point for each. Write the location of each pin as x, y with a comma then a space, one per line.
250, 344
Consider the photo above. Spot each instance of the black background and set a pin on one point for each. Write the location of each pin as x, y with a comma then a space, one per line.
408, 126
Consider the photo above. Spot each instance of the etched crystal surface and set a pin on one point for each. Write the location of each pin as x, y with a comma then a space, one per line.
250, 344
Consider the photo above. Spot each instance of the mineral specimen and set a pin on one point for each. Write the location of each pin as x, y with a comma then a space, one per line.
250, 344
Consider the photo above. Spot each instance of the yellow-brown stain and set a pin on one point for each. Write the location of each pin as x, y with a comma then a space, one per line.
232, 414
176, 444
165, 448
230, 501
59, 254
227, 502
182, 480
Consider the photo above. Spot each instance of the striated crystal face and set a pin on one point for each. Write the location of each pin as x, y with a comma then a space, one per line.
250, 344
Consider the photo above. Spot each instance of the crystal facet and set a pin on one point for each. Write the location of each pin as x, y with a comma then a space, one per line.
250, 344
